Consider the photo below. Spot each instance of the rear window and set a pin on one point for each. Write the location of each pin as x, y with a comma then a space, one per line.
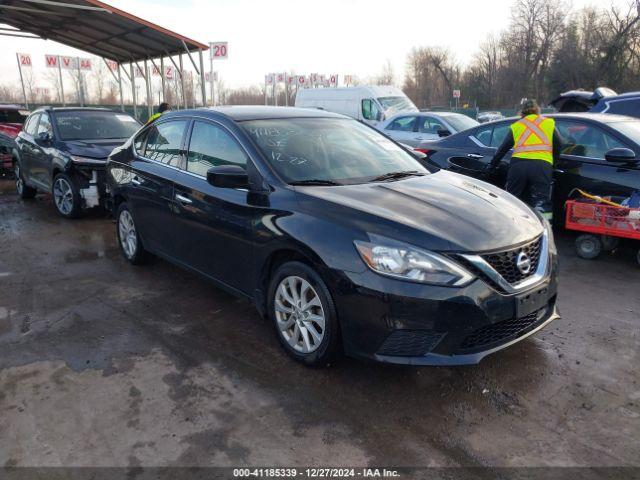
460, 122
94, 125
13, 116
629, 129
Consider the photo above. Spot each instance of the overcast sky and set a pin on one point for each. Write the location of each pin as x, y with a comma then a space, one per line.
332, 36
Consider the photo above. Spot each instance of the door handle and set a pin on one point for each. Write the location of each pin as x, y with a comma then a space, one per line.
559, 170
136, 181
473, 155
183, 199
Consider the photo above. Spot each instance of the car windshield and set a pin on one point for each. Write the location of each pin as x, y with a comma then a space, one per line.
317, 150
13, 116
94, 125
460, 122
396, 104
630, 129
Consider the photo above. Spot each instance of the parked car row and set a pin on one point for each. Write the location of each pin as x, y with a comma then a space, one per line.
64, 151
600, 155
12, 118
337, 234
414, 129
602, 100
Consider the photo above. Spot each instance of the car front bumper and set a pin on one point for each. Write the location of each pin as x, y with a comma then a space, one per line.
394, 321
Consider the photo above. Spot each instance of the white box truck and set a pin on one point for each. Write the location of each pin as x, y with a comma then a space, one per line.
368, 103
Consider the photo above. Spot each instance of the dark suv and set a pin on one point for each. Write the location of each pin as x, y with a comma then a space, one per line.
63, 151
338, 235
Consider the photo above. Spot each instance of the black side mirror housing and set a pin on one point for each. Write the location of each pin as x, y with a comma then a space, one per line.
621, 155
228, 176
44, 138
443, 132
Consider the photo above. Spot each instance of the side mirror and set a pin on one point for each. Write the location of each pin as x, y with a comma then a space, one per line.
228, 176
44, 138
620, 155
443, 132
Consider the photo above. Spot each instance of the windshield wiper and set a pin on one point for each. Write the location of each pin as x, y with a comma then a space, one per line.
397, 175
315, 181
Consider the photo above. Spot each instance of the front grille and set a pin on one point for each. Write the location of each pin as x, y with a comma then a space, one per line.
409, 343
505, 262
501, 331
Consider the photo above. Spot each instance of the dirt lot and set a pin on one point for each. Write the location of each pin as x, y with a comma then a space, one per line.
102, 363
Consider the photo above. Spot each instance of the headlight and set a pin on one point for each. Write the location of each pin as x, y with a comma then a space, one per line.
413, 264
550, 238
93, 161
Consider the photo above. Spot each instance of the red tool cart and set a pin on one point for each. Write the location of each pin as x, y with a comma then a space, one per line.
603, 225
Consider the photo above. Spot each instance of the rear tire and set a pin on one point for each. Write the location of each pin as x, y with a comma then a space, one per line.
638, 257
24, 191
588, 246
66, 196
128, 237
303, 314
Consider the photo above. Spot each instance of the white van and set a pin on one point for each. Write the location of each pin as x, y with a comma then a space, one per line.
369, 103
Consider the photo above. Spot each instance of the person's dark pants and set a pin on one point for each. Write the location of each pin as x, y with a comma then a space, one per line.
530, 181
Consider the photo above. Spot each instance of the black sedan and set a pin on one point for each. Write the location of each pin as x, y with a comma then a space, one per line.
63, 151
600, 154
337, 234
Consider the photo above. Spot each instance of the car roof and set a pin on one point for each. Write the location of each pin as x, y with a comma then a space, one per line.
621, 96
71, 109
242, 113
598, 117
11, 107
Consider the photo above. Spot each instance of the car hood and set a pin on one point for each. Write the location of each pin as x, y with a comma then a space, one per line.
443, 211
92, 148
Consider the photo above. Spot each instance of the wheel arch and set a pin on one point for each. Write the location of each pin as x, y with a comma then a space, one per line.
277, 258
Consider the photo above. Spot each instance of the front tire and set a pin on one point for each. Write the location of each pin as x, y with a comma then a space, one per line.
66, 196
128, 237
24, 191
303, 314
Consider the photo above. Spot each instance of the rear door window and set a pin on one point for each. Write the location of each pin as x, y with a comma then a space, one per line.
586, 140
164, 142
210, 146
430, 125
483, 135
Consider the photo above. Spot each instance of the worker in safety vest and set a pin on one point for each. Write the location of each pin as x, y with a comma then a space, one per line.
164, 107
536, 144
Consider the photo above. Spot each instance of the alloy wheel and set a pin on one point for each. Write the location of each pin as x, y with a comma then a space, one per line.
19, 181
63, 196
299, 314
128, 236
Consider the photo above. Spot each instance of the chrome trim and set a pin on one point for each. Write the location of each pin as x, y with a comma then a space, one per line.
539, 275
183, 199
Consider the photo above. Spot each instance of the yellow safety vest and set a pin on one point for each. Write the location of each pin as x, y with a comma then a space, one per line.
533, 138
153, 117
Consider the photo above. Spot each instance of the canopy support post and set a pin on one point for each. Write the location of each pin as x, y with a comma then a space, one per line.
164, 91
133, 91
120, 88
147, 81
203, 84
64, 104
24, 90
184, 94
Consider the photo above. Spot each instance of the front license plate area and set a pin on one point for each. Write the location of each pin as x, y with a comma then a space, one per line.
532, 301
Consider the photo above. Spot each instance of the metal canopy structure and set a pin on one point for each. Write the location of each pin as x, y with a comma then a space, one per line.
107, 32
